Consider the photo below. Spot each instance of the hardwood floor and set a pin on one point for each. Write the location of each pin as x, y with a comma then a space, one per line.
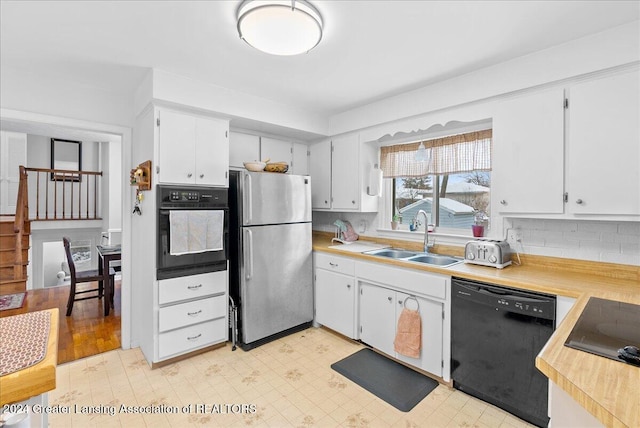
87, 331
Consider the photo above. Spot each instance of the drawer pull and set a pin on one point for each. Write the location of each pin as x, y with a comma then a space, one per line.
194, 287
194, 337
193, 314
333, 264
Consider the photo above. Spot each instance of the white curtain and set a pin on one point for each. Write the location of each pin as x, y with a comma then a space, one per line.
448, 155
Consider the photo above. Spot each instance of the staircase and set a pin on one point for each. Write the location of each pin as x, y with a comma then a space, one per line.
14, 243
14, 255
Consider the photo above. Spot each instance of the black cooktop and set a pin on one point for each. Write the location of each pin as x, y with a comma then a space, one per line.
606, 326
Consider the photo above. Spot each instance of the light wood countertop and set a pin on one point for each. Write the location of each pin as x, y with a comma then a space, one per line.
37, 379
607, 389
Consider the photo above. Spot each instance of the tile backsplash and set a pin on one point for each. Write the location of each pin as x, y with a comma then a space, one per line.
604, 241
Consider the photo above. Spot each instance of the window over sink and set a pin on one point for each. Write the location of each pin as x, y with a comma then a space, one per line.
449, 178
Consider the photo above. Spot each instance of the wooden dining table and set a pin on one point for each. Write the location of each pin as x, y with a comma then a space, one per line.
107, 254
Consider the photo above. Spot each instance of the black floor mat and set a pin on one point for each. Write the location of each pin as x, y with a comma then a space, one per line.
396, 384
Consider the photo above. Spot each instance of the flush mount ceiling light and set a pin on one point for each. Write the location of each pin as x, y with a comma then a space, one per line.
285, 27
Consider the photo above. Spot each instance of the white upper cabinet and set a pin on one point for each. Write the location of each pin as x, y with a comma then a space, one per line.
528, 154
275, 150
320, 171
579, 159
212, 152
243, 148
295, 154
339, 170
299, 159
192, 149
603, 168
345, 183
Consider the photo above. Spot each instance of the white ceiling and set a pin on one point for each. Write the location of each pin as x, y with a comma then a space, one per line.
371, 49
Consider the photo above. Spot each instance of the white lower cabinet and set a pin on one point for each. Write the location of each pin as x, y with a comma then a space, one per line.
431, 357
192, 313
377, 317
192, 337
363, 300
335, 302
380, 309
335, 297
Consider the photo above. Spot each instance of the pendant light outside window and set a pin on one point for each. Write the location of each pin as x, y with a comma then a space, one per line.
280, 27
421, 153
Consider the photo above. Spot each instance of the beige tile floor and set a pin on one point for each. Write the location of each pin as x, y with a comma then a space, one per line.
285, 383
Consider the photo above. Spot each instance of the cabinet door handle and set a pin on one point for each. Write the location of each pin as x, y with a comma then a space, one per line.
326, 202
189, 175
348, 285
503, 202
194, 287
193, 314
333, 264
194, 337
390, 298
579, 202
353, 202
201, 175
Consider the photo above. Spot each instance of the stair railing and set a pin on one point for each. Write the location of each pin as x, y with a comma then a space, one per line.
22, 213
65, 194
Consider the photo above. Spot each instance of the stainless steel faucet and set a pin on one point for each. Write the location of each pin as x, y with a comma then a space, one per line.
426, 229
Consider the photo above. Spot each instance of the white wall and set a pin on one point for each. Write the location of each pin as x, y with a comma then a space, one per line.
35, 91
166, 87
611, 48
53, 256
111, 167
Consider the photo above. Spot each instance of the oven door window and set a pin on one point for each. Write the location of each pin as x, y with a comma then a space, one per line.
187, 260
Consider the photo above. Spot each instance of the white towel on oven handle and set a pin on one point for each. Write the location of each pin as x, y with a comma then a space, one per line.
195, 231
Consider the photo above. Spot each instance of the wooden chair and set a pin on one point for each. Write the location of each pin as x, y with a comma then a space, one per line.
87, 276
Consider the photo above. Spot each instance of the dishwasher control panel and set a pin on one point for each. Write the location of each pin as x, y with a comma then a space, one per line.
508, 299
524, 305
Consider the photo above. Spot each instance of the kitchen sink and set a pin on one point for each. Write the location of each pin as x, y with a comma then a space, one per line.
432, 259
392, 253
417, 257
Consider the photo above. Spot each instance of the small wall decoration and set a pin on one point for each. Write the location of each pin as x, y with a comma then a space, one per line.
141, 176
66, 155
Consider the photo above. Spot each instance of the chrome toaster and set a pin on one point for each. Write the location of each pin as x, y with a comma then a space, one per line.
488, 253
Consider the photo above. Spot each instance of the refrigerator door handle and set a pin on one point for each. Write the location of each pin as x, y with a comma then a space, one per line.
248, 259
248, 208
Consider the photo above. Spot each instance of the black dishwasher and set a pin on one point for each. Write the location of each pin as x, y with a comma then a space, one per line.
496, 334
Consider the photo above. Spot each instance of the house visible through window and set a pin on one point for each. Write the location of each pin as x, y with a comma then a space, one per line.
452, 185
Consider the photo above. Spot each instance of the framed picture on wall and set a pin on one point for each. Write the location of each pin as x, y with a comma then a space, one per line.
66, 160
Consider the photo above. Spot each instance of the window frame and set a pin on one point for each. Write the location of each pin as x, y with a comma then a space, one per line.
387, 203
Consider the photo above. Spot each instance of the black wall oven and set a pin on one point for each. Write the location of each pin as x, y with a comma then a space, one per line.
196, 216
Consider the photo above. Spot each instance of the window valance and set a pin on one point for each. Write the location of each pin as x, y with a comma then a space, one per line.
448, 155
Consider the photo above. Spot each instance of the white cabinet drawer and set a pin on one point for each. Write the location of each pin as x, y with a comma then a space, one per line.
407, 280
335, 264
191, 338
191, 287
184, 314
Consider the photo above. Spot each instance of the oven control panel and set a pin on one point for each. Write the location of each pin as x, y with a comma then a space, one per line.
181, 196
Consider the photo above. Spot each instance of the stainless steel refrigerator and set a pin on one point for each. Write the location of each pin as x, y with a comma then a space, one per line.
270, 272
